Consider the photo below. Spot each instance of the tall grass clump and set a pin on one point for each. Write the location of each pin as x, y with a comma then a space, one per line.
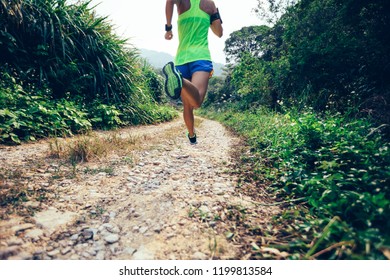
339, 166
61, 52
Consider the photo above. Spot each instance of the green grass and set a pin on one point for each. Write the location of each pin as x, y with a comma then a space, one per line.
339, 166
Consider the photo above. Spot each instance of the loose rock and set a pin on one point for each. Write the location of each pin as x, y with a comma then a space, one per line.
112, 238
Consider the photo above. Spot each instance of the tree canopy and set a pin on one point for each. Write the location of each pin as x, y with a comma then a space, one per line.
330, 55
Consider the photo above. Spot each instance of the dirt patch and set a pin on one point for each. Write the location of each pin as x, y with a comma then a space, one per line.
157, 197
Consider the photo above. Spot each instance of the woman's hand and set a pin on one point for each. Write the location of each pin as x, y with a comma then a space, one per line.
168, 35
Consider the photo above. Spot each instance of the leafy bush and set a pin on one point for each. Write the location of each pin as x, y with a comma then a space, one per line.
153, 82
251, 79
29, 115
105, 116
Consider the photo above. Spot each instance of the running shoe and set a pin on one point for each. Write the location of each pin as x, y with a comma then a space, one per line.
192, 139
173, 81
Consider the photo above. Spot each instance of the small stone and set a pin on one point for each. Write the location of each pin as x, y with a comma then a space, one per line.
212, 224
100, 256
199, 256
50, 247
32, 204
99, 246
112, 238
219, 191
182, 156
23, 227
92, 252
15, 242
143, 230
66, 250
176, 177
204, 209
74, 237
136, 215
157, 229
53, 253
195, 203
143, 254
74, 257
132, 180
114, 248
129, 251
109, 227
87, 234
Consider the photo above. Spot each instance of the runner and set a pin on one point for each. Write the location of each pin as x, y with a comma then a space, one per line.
189, 76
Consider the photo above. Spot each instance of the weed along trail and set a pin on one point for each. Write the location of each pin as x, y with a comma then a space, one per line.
148, 195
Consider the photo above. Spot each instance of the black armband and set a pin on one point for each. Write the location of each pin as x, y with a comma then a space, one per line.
215, 16
168, 28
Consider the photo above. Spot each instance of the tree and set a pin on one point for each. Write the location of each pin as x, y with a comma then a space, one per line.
334, 54
273, 10
249, 39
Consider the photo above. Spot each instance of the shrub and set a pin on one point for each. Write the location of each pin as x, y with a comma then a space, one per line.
27, 115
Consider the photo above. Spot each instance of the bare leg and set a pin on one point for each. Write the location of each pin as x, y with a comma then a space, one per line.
188, 115
193, 94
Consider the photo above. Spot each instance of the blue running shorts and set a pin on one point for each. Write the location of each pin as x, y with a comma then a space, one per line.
188, 69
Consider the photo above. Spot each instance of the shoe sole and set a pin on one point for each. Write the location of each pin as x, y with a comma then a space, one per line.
173, 82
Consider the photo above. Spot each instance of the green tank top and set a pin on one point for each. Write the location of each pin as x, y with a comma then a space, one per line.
193, 28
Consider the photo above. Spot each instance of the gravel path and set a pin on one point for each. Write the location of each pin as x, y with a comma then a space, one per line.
162, 199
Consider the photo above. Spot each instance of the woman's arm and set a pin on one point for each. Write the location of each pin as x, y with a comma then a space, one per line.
169, 14
216, 22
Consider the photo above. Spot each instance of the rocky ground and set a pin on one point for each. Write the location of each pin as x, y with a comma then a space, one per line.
157, 198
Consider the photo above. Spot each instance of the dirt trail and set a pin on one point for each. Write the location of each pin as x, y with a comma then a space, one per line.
164, 199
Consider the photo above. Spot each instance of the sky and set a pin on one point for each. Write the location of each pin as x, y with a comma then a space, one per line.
143, 23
